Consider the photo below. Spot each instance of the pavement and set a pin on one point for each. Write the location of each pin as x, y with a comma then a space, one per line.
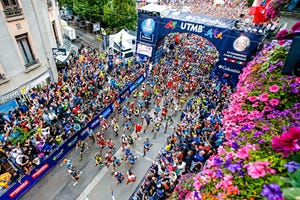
86, 38
97, 183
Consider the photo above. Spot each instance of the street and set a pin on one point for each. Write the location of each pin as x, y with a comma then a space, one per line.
96, 183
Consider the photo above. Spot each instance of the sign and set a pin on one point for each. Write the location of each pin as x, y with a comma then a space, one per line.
28, 181
96, 27
144, 49
59, 51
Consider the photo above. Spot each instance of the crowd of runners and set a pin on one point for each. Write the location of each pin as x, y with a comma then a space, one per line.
179, 86
51, 113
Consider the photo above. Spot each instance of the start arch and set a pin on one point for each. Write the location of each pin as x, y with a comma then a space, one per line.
235, 47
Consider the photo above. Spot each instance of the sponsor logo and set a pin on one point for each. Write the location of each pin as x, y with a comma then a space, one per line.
19, 189
94, 123
191, 27
106, 113
229, 69
171, 24
73, 141
148, 26
39, 171
58, 155
241, 43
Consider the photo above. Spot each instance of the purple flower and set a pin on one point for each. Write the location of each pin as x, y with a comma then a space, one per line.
271, 192
227, 163
234, 145
261, 141
218, 162
219, 174
257, 134
234, 167
241, 173
292, 166
295, 90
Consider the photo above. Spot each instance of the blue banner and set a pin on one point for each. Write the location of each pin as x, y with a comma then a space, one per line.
28, 181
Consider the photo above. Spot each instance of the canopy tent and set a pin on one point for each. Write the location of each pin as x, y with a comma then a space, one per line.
122, 40
219, 2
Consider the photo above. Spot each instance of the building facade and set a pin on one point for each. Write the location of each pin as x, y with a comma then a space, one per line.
29, 30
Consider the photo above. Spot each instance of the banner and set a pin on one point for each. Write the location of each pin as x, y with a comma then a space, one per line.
234, 47
28, 181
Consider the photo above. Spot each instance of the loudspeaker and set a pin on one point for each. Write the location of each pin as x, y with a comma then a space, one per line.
292, 63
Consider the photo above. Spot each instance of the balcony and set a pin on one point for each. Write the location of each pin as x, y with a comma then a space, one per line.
49, 4
13, 13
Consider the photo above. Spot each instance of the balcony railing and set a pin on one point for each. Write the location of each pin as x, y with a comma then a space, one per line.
13, 12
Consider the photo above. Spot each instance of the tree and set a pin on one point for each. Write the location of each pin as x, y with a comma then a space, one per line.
120, 14
89, 9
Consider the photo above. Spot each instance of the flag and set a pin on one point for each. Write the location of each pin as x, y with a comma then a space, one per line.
257, 10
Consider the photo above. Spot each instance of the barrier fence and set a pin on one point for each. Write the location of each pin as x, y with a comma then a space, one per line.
28, 181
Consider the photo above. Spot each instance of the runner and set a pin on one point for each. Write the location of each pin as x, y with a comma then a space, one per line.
147, 146
110, 144
82, 145
132, 160
119, 177
116, 162
67, 163
74, 175
101, 142
130, 177
90, 134
98, 160
124, 142
116, 127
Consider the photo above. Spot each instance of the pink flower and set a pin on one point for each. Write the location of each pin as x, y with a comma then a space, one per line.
259, 169
252, 98
274, 102
298, 80
274, 88
243, 153
197, 184
287, 142
296, 27
267, 108
263, 97
255, 105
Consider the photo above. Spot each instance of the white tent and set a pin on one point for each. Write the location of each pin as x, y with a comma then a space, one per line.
219, 2
122, 38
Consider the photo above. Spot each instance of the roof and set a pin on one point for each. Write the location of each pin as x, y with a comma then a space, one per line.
152, 7
125, 37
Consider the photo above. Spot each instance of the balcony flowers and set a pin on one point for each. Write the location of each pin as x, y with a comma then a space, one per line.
261, 157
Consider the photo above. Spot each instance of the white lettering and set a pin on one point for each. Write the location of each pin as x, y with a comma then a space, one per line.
191, 27
229, 69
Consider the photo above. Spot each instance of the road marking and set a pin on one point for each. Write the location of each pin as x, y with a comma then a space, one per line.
95, 181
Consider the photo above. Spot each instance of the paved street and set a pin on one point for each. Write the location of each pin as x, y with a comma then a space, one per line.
96, 183
86, 38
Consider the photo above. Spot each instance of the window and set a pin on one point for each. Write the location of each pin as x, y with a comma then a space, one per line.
9, 3
25, 50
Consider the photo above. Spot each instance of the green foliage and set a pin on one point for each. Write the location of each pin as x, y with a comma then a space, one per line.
24, 134
120, 14
250, 2
92, 10
66, 3
293, 181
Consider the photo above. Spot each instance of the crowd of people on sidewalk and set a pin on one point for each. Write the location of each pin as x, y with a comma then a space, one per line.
53, 112
198, 100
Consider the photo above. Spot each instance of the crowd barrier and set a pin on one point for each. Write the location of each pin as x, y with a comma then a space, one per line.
18, 189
